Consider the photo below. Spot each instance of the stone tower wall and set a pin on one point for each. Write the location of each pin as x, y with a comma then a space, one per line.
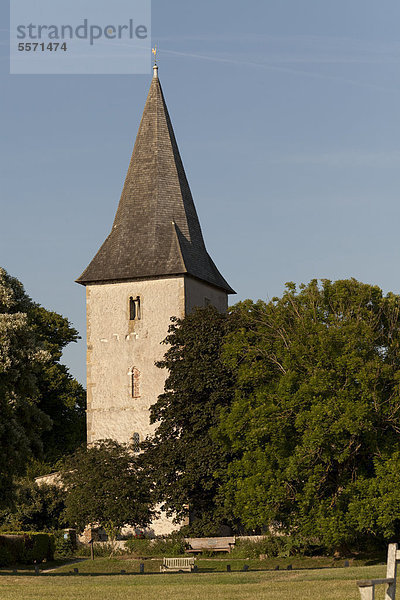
199, 293
116, 345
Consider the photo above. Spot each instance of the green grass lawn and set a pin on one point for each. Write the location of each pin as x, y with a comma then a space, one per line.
101, 580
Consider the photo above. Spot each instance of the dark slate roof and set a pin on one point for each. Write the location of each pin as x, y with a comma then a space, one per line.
156, 231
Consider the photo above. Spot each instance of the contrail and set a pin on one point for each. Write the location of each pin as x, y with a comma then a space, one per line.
280, 69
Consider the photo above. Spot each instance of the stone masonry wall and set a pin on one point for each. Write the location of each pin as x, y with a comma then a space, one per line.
199, 293
116, 346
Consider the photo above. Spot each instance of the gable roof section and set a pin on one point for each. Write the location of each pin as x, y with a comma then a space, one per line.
156, 231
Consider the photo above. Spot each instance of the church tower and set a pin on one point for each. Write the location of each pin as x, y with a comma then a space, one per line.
152, 266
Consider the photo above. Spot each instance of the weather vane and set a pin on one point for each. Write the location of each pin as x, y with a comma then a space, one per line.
154, 51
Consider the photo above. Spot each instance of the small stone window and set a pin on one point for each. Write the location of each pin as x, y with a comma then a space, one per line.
135, 382
136, 442
206, 301
135, 313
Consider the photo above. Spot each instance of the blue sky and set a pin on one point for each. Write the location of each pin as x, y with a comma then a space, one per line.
287, 117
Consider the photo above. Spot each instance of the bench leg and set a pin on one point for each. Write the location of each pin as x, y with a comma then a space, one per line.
367, 593
391, 591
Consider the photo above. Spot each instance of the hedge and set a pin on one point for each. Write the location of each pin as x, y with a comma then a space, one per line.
26, 548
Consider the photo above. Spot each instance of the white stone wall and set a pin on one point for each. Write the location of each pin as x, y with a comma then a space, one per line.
162, 525
116, 345
199, 293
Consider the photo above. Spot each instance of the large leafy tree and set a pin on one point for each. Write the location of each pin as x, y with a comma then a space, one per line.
315, 424
36, 508
61, 397
183, 458
21, 359
41, 405
105, 485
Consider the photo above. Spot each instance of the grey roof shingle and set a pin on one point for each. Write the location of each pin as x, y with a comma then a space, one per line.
156, 231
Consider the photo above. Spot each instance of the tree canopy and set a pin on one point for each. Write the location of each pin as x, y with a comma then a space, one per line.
36, 508
285, 414
61, 397
314, 428
41, 405
105, 485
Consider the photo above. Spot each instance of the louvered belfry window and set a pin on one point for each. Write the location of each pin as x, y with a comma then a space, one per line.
135, 312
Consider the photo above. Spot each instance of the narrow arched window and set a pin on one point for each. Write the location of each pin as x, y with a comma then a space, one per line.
135, 382
135, 313
136, 442
132, 309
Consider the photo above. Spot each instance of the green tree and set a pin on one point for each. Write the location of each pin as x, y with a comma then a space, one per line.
36, 508
105, 485
21, 359
314, 428
61, 397
183, 458
41, 406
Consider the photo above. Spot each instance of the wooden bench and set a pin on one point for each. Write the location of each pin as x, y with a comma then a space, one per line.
214, 544
367, 586
177, 564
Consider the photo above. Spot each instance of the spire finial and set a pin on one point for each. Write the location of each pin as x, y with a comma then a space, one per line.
155, 67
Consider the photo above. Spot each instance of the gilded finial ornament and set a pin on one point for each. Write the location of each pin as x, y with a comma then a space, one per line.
154, 51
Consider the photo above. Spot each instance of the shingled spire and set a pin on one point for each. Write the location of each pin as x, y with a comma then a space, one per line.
156, 231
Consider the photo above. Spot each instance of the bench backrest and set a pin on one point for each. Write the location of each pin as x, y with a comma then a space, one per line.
178, 562
212, 542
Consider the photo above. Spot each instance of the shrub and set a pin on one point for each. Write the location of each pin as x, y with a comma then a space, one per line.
271, 546
274, 546
28, 547
101, 549
6, 557
139, 547
37, 547
63, 545
12, 547
172, 545
208, 554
